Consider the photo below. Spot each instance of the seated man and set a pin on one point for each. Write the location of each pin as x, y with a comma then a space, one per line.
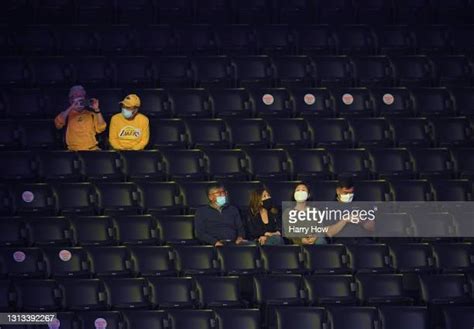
129, 130
84, 121
219, 223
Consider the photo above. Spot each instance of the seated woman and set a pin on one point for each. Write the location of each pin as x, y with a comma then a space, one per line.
263, 223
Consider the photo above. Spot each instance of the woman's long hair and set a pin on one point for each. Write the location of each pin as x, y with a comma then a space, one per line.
255, 203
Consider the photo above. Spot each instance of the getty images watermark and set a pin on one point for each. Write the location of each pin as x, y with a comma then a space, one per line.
381, 219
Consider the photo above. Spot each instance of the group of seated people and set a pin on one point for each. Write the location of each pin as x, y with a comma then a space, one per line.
129, 130
220, 222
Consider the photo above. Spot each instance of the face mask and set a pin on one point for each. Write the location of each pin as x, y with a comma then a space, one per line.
301, 196
221, 200
267, 204
127, 113
346, 197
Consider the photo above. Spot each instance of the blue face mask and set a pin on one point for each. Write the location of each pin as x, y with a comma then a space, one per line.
127, 114
221, 200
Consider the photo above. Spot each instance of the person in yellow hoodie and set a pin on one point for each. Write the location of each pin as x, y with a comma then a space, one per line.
83, 121
129, 130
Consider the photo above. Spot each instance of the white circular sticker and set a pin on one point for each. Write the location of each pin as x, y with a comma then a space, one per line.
100, 323
309, 99
347, 99
54, 324
19, 256
65, 255
28, 196
388, 99
268, 99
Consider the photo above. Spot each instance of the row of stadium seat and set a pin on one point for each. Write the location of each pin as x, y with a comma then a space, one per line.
215, 292
218, 164
236, 39
219, 11
239, 71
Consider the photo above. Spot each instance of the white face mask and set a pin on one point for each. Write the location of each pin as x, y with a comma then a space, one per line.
301, 196
127, 113
346, 198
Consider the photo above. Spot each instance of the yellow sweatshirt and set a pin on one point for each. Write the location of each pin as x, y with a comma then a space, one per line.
129, 134
81, 130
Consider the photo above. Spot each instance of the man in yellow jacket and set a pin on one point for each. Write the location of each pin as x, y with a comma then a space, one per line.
84, 121
129, 130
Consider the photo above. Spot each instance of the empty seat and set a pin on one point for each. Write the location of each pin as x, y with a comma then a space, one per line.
110, 261
94, 12
374, 11
175, 71
331, 132
83, 294
66, 262
27, 293
190, 102
335, 11
253, 71
412, 190
218, 291
289, 290
143, 165
452, 132
373, 71
136, 229
270, 163
51, 71
22, 262
331, 258
445, 289
34, 199
9, 136
101, 165
392, 101
93, 230
316, 40
378, 190
295, 71
433, 101
330, 289
23, 103
370, 258
282, 259
152, 260
228, 164
299, 316
196, 39
154, 103
144, 319
310, 163
76, 39
272, 102
357, 39
39, 134
240, 192
136, 11
454, 257
190, 319
186, 164
393, 317
411, 132
464, 162
208, 133
119, 198
413, 12
195, 194
14, 71
196, 260
453, 70
89, 319
238, 318
239, 260
168, 133
353, 162
158, 39
6, 206
433, 39
290, 132
433, 162
413, 71
372, 132
161, 197
18, 166
237, 39
60, 165
94, 71
313, 102
214, 71
412, 257
116, 39
392, 163
231, 102
172, 292
353, 102
334, 71
376, 289
250, 11
13, 232
249, 132
459, 317
177, 229
462, 38
353, 317
76, 198
275, 39
172, 11
127, 293
452, 190
136, 71
34, 39
49, 231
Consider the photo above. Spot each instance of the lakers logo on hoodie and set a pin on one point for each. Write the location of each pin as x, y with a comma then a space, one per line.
130, 133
